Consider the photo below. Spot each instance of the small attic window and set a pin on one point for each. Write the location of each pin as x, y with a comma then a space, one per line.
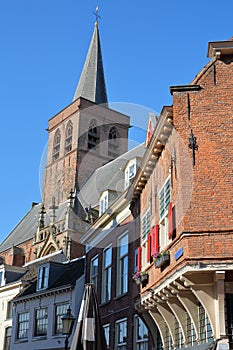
103, 202
43, 277
130, 172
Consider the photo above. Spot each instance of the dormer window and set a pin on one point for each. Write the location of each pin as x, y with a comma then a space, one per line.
43, 277
130, 172
103, 202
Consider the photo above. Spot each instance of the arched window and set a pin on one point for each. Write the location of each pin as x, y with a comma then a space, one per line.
56, 145
93, 136
68, 137
112, 142
7, 339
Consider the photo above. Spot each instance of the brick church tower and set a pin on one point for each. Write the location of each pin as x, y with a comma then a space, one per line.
82, 137
86, 134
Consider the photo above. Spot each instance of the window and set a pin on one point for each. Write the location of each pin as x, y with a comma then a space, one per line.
141, 334
43, 277
41, 321
94, 271
130, 172
23, 325
112, 143
191, 334
167, 339
56, 145
7, 339
122, 265
68, 137
136, 260
164, 201
145, 224
92, 135
229, 314
107, 271
103, 202
60, 310
178, 335
205, 330
121, 334
9, 310
107, 333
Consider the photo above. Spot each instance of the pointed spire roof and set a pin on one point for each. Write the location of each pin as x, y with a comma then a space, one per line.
91, 85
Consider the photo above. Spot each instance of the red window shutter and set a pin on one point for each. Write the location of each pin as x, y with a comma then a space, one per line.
155, 240
149, 247
170, 221
139, 258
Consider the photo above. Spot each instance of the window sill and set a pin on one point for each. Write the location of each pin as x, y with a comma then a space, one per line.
105, 303
120, 296
17, 341
39, 337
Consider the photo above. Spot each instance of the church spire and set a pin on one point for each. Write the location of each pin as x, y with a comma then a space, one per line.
91, 85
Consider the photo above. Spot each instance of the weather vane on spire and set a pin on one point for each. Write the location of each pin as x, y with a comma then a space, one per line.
96, 13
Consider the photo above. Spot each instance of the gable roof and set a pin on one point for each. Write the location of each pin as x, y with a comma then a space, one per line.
24, 230
108, 177
91, 85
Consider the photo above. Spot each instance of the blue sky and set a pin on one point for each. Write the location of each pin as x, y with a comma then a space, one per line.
147, 47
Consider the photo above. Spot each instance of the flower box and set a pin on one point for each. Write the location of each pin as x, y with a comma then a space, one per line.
144, 278
161, 260
140, 277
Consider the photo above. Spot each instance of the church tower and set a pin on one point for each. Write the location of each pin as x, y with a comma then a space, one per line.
86, 134
81, 138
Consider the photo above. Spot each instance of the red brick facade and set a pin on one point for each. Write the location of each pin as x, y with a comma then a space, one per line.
201, 197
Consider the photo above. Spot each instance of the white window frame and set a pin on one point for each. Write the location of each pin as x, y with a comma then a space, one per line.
121, 345
165, 197
140, 343
164, 201
122, 262
145, 224
106, 277
57, 317
19, 326
103, 203
130, 172
43, 277
106, 328
44, 321
93, 273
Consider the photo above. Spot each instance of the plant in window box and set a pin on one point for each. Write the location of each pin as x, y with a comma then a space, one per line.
140, 277
144, 276
136, 277
161, 258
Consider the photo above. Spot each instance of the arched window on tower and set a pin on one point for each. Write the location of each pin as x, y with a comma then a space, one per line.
68, 137
112, 142
56, 145
93, 137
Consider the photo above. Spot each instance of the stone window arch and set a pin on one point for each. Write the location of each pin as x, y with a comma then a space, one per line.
68, 137
56, 144
93, 135
112, 142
